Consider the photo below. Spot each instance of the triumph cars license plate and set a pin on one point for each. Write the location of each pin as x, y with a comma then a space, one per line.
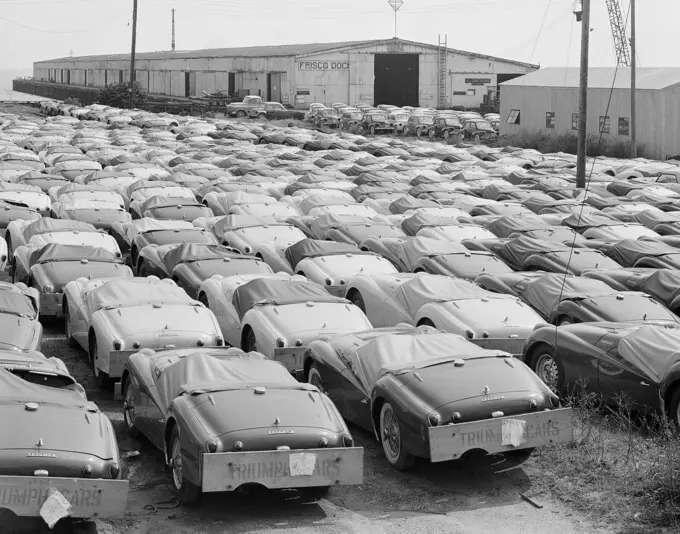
226, 471
501, 434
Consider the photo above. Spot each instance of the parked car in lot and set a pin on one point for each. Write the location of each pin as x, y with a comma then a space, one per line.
241, 109
171, 395
419, 125
423, 392
20, 329
397, 119
326, 118
350, 119
478, 130
275, 111
447, 128
374, 123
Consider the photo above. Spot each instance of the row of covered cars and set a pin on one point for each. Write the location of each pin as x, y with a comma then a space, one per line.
450, 125
440, 297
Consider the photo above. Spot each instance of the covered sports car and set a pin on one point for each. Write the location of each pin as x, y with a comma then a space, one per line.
182, 209
493, 321
332, 264
434, 395
20, 329
183, 402
11, 211
643, 253
641, 362
20, 232
59, 441
602, 227
113, 318
101, 215
662, 223
279, 317
565, 300
192, 263
51, 267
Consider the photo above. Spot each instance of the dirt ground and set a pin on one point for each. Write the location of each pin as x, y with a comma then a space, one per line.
466, 497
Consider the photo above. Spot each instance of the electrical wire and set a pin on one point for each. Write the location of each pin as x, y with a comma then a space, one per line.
48, 31
566, 64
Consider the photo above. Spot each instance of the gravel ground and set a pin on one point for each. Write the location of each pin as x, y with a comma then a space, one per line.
465, 497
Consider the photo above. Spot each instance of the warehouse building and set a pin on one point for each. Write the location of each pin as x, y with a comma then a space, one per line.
390, 71
548, 100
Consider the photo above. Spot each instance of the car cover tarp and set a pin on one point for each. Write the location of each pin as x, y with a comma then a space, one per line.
424, 219
407, 202
561, 234
418, 247
652, 218
664, 285
395, 353
621, 189
144, 184
47, 225
236, 222
518, 250
128, 292
505, 226
581, 222
204, 372
629, 251
319, 226
14, 389
147, 224
652, 350
11, 211
14, 301
159, 201
421, 289
312, 248
75, 188
56, 252
316, 200
75, 204
536, 203
278, 291
196, 252
545, 293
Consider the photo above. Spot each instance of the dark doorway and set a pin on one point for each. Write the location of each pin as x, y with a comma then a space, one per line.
500, 78
232, 83
187, 84
396, 79
269, 87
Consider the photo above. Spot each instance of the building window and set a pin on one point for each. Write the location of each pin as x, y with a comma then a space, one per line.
120, 76
471, 92
604, 125
513, 118
624, 126
550, 120
574, 121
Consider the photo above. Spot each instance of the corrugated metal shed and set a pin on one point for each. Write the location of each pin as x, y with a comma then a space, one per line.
600, 78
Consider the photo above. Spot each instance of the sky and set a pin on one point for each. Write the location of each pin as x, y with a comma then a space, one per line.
543, 32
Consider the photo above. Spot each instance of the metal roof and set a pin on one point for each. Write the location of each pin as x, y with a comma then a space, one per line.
292, 50
599, 78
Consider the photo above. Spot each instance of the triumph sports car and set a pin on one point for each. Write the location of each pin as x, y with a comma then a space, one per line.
434, 395
182, 401
640, 362
113, 318
20, 329
181, 209
99, 214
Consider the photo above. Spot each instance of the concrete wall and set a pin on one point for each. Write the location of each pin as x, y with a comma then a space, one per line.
657, 112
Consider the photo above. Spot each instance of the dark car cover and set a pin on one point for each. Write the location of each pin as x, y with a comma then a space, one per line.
629, 251
581, 222
279, 291
652, 350
663, 285
197, 252
407, 202
56, 252
505, 226
653, 218
518, 250
311, 248
419, 220
47, 225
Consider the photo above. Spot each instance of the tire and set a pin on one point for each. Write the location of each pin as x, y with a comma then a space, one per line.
314, 494
564, 321
431, 134
250, 344
390, 438
67, 328
372, 130
187, 493
203, 299
547, 367
314, 378
357, 300
240, 114
426, 322
477, 139
129, 406
262, 117
101, 378
461, 138
142, 272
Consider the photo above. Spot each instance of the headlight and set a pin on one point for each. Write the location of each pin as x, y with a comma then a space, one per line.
114, 470
455, 417
433, 419
48, 288
117, 344
219, 341
280, 342
211, 446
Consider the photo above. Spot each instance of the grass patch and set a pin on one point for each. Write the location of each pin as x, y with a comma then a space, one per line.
547, 143
621, 468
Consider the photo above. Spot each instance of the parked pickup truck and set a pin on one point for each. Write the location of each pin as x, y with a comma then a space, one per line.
275, 110
242, 109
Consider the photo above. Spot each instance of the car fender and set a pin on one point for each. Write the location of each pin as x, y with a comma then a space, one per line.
14, 234
271, 257
20, 265
184, 276
102, 331
321, 353
265, 332
381, 310
77, 310
154, 264
313, 270
223, 309
231, 239
192, 437
442, 319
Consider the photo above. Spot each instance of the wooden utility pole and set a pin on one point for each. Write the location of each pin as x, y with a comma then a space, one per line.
583, 100
633, 83
132, 54
173, 30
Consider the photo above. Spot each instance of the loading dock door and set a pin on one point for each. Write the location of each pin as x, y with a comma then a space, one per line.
275, 87
396, 79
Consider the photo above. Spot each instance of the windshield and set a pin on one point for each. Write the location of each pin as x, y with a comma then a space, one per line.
484, 125
452, 122
425, 120
636, 308
51, 380
329, 113
400, 117
353, 116
378, 117
263, 234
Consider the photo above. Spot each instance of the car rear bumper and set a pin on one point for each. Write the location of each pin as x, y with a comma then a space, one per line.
501, 434
25, 496
50, 304
117, 361
514, 346
291, 357
226, 471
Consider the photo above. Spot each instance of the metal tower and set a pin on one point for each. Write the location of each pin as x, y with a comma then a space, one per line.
621, 45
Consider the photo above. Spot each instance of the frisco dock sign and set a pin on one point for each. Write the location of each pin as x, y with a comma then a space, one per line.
323, 65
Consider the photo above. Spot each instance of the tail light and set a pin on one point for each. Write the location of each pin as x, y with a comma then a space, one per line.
323, 443
555, 401
280, 342
433, 419
238, 446
455, 417
329, 282
114, 470
211, 446
136, 345
347, 441
298, 343
87, 470
117, 345
533, 405
200, 343
48, 288
219, 341
469, 334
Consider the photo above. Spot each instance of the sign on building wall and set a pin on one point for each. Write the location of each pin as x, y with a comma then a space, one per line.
323, 65
478, 81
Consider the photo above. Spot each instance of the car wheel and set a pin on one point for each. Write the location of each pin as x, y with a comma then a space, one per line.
240, 114
372, 130
314, 378
100, 377
547, 367
356, 299
67, 326
187, 492
262, 116
419, 132
251, 343
426, 322
431, 134
313, 494
129, 413
203, 299
461, 138
390, 437
143, 272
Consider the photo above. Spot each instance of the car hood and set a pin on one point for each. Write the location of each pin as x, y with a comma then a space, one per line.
61, 428
17, 332
59, 273
294, 407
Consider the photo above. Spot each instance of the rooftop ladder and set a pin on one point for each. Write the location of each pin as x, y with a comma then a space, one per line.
442, 53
